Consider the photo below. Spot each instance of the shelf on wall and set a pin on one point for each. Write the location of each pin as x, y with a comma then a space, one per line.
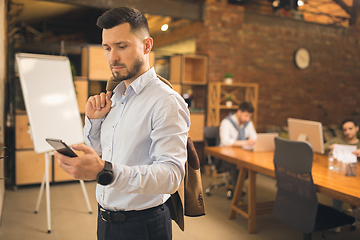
232, 107
188, 75
217, 92
188, 69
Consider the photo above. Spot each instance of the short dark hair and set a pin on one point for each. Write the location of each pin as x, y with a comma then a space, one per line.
246, 107
120, 15
348, 120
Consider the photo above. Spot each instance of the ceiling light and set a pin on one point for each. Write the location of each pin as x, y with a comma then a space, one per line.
276, 3
300, 3
164, 27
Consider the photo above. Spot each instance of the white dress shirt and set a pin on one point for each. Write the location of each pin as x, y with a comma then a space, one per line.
229, 134
144, 136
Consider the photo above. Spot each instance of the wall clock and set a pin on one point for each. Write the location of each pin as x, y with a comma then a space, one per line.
302, 58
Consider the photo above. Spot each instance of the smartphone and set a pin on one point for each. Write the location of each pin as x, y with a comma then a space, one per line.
61, 147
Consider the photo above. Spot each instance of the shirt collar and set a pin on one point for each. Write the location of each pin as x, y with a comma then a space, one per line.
138, 84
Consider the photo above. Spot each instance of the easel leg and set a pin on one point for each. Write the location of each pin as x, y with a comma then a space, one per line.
86, 196
40, 193
45, 182
47, 162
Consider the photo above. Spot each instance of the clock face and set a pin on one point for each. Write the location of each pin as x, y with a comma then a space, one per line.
302, 58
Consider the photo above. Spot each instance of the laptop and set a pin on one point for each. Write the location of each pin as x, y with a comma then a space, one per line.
264, 142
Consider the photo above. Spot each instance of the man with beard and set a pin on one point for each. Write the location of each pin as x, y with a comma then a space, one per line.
140, 133
350, 130
237, 130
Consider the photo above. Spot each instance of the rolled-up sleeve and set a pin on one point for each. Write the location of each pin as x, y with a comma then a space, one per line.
250, 131
92, 134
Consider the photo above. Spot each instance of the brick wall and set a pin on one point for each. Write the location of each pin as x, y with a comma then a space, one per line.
260, 49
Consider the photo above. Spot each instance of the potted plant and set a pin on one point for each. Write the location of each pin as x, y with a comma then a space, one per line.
228, 78
228, 102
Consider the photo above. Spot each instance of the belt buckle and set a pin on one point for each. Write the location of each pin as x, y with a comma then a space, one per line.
102, 213
119, 217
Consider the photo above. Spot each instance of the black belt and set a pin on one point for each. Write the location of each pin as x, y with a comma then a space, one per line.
122, 216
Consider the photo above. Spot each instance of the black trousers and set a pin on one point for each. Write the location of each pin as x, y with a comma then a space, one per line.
153, 226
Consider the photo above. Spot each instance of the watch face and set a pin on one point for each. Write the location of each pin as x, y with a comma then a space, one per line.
105, 178
302, 58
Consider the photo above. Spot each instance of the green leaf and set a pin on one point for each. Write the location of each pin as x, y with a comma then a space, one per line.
228, 75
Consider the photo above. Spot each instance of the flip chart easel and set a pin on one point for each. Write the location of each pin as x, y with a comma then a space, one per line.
52, 108
45, 183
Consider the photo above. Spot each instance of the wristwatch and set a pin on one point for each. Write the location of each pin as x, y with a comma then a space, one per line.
105, 176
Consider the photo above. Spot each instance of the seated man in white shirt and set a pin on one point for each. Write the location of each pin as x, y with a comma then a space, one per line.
238, 130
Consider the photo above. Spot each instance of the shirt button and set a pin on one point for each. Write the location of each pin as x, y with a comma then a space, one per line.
109, 150
122, 103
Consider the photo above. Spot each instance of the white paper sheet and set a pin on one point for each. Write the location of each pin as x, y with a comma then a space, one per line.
344, 153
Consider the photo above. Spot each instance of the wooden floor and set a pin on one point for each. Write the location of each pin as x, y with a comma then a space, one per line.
70, 219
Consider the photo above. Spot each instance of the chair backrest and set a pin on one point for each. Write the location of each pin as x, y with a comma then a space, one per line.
296, 201
211, 136
327, 133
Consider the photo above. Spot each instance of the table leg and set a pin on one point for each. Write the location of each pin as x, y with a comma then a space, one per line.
249, 210
252, 202
238, 192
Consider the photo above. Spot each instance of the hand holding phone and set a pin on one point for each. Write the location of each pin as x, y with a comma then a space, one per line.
61, 147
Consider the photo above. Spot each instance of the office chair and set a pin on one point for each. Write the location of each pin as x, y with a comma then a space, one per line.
337, 130
211, 136
327, 133
296, 203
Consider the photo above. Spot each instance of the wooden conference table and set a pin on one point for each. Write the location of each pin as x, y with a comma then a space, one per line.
333, 184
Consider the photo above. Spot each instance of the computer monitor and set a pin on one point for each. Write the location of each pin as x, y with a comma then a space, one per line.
309, 131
